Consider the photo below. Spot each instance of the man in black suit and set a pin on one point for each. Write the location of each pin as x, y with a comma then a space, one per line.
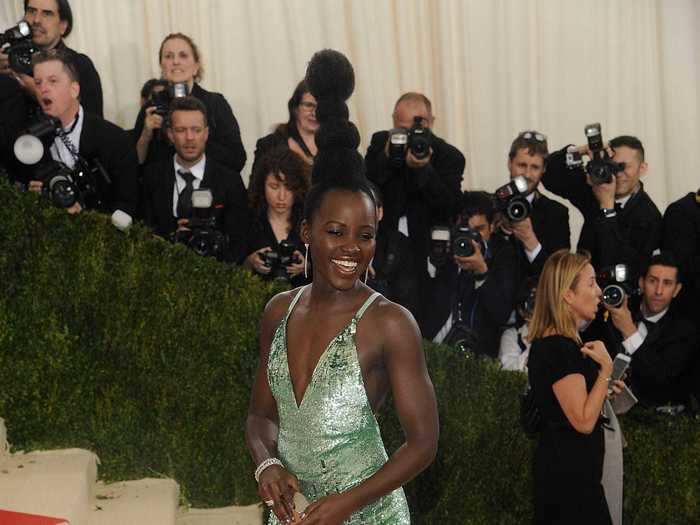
83, 140
546, 230
419, 193
52, 21
622, 225
662, 342
472, 297
168, 184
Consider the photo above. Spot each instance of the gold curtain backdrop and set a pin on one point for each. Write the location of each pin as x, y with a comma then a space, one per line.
491, 68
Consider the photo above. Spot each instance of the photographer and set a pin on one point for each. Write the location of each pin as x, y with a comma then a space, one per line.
51, 21
277, 191
621, 222
168, 185
181, 65
663, 343
419, 175
83, 139
682, 237
471, 296
546, 228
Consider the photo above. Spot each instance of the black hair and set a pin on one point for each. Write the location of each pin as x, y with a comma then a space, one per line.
664, 258
338, 165
188, 103
65, 13
630, 142
477, 203
290, 127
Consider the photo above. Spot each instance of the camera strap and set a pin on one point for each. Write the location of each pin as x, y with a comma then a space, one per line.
65, 139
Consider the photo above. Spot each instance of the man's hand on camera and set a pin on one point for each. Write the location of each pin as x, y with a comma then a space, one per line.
35, 185
622, 318
524, 233
604, 193
413, 163
75, 209
474, 263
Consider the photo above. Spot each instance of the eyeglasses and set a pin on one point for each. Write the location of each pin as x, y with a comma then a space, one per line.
308, 106
533, 135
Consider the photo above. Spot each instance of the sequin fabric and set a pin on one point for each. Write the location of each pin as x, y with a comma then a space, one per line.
331, 441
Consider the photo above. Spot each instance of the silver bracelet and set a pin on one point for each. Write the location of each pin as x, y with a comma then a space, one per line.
266, 463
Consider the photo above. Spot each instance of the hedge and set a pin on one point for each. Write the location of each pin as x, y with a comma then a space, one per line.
144, 353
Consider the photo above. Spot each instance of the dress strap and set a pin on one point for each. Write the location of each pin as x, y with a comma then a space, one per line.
294, 301
366, 305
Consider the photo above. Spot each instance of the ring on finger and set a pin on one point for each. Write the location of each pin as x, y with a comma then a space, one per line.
269, 502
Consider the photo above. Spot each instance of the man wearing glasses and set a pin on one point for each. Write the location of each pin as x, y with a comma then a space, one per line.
420, 177
546, 229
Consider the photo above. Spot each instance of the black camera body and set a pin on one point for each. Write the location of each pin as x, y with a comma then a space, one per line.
456, 241
65, 187
600, 168
278, 260
615, 282
417, 139
511, 200
201, 235
161, 98
19, 47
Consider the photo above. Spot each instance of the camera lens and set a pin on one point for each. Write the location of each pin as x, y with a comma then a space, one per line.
613, 295
63, 192
463, 247
516, 210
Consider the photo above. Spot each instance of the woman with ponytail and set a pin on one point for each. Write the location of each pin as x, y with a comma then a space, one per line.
332, 352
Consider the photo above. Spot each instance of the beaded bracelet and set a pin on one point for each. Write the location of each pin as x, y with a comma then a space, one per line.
266, 463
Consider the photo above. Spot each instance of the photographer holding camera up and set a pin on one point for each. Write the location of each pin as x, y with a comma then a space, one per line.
175, 205
622, 225
470, 299
78, 159
419, 175
662, 342
50, 21
544, 227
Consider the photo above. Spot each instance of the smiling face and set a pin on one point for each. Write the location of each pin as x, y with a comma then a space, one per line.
583, 299
341, 238
47, 26
177, 61
56, 91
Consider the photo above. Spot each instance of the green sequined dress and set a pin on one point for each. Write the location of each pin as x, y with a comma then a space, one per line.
331, 441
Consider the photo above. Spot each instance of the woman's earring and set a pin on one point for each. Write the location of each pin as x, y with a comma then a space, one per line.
306, 261
367, 269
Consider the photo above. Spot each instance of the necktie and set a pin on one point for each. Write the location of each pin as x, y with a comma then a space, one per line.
184, 198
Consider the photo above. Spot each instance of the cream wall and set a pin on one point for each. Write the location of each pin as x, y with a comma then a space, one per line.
491, 68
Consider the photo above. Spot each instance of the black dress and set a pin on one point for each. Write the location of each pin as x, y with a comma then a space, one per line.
568, 465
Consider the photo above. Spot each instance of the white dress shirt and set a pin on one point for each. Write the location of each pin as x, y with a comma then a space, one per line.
633, 342
59, 151
197, 170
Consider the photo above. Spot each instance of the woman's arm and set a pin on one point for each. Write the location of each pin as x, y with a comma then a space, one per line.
275, 482
414, 400
582, 408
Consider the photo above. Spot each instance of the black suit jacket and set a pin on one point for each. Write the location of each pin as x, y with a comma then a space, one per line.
224, 144
550, 222
427, 196
485, 309
90, 84
662, 368
230, 205
630, 237
274, 140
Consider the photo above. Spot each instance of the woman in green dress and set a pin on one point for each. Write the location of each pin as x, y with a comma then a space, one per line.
332, 352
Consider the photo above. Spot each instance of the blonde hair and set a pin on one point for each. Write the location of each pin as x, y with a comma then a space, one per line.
552, 314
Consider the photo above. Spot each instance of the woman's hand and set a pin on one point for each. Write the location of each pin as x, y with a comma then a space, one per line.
330, 510
596, 350
616, 387
276, 488
152, 121
255, 262
295, 269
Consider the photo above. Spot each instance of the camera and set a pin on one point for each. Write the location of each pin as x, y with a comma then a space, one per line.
462, 337
456, 241
600, 167
278, 260
201, 235
416, 139
161, 98
20, 48
615, 283
511, 200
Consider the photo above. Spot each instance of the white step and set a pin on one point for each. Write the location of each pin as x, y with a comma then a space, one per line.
249, 515
58, 483
149, 501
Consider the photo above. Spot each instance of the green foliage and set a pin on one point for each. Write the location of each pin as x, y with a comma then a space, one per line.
144, 353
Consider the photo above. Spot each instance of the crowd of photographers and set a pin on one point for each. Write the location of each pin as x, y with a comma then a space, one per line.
464, 263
